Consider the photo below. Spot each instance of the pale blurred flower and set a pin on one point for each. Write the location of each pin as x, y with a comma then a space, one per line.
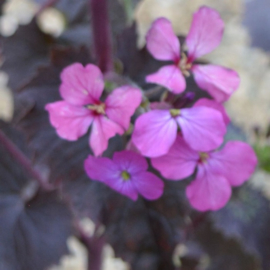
51, 21
16, 12
112, 263
76, 260
6, 99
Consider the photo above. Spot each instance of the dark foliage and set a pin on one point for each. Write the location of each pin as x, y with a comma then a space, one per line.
23, 52
34, 224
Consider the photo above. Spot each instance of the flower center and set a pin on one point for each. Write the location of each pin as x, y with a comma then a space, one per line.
98, 108
203, 157
184, 65
175, 112
125, 175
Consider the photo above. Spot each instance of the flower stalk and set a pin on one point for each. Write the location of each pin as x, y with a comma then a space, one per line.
102, 45
18, 155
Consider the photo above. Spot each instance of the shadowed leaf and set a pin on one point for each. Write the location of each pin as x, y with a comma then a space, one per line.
34, 225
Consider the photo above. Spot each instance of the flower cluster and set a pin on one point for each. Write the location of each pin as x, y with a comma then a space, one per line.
179, 140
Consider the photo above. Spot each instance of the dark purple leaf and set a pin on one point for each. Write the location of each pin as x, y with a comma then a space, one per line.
34, 224
247, 218
23, 52
214, 251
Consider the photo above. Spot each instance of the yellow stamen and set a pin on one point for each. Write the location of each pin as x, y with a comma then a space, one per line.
125, 175
184, 66
97, 108
175, 112
203, 156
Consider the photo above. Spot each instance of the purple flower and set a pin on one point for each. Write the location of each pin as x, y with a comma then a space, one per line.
81, 90
215, 105
126, 173
203, 129
217, 171
204, 36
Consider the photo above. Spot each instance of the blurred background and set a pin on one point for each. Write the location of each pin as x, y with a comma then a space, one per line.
245, 48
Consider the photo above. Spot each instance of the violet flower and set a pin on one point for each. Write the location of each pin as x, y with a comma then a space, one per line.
81, 108
203, 129
204, 36
217, 171
126, 173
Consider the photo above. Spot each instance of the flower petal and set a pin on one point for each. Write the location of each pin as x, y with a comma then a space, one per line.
107, 172
203, 128
148, 185
179, 163
122, 103
130, 161
71, 122
218, 81
126, 188
205, 33
101, 169
81, 85
214, 105
161, 41
154, 133
102, 130
130, 146
208, 191
236, 161
169, 77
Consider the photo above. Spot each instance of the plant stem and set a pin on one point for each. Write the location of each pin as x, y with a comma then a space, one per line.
162, 235
18, 155
102, 48
94, 245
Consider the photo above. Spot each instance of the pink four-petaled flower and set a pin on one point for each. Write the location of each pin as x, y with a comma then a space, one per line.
203, 128
126, 173
217, 171
204, 36
81, 90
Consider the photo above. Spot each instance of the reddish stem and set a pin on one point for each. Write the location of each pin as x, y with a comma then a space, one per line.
18, 155
94, 245
102, 48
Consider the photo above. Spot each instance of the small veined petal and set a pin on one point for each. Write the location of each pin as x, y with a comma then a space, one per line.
126, 188
236, 161
214, 105
71, 122
101, 169
138, 180
81, 85
102, 130
122, 103
218, 81
154, 133
179, 163
161, 41
205, 33
130, 146
170, 77
148, 185
130, 161
209, 191
203, 128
